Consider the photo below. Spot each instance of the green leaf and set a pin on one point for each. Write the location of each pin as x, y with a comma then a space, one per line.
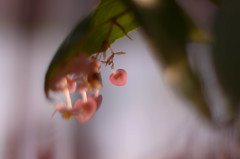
110, 21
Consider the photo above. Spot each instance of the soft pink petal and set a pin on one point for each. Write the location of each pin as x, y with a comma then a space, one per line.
119, 78
97, 99
86, 109
57, 84
72, 85
60, 107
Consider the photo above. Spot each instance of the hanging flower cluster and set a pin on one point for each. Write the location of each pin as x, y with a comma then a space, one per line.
83, 75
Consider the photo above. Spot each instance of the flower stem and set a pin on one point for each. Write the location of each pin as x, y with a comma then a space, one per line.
97, 93
114, 71
67, 98
84, 96
110, 49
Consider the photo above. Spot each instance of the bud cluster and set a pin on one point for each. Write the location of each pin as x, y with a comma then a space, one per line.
82, 74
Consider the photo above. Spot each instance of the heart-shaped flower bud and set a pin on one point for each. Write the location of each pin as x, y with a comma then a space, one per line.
86, 109
118, 78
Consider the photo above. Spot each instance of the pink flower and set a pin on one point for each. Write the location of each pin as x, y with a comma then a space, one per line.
97, 99
83, 74
118, 78
80, 64
85, 110
71, 84
64, 83
82, 110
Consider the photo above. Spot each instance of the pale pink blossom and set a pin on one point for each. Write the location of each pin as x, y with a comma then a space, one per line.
118, 78
98, 99
86, 109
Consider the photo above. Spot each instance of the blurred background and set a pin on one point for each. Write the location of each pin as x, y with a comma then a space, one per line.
143, 119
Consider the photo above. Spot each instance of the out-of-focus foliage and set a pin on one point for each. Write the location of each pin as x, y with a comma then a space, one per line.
226, 53
110, 21
169, 29
217, 2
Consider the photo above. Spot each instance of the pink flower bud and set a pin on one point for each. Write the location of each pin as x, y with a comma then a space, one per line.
97, 99
86, 109
119, 78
